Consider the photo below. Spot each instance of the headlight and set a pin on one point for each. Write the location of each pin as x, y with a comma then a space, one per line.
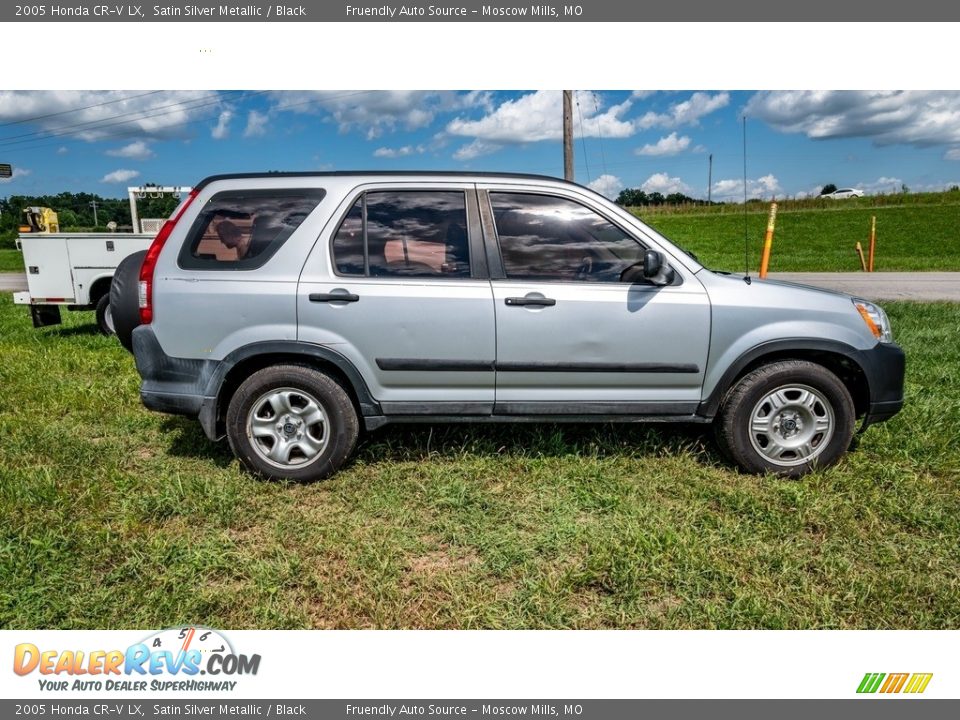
875, 319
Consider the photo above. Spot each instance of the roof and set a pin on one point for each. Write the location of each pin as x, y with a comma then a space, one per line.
381, 173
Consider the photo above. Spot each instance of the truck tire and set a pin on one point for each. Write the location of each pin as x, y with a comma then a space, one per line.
124, 302
786, 418
105, 315
290, 422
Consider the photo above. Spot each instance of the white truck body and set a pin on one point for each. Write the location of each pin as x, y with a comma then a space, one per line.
72, 269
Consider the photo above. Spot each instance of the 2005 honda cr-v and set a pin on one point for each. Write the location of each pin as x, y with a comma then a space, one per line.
288, 310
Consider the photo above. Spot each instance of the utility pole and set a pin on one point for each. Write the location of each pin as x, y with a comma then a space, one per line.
93, 204
710, 182
568, 135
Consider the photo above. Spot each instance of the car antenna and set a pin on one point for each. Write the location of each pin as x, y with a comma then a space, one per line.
746, 236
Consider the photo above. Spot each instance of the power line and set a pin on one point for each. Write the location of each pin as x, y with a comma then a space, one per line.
583, 139
596, 108
139, 132
93, 125
85, 107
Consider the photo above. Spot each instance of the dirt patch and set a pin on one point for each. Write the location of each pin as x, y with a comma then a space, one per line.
445, 558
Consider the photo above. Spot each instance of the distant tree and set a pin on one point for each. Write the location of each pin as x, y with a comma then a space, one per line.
828, 188
904, 189
632, 197
955, 188
656, 198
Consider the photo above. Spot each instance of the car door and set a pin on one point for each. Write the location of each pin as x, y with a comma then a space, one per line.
572, 338
399, 286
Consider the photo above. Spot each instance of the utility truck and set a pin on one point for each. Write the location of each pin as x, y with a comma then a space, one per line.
75, 270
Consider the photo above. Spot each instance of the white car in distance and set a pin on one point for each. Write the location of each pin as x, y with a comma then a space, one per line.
843, 194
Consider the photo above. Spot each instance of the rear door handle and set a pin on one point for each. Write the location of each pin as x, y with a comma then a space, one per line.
541, 301
334, 297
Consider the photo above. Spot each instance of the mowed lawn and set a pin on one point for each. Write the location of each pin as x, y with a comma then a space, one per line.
115, 517
909, 237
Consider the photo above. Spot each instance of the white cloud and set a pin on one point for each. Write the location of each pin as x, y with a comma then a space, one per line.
663, 183
405, 151
62, 150
914, 117
607, 185
686, 112
952, 154
642, 94
256, 124
764, 188
880, 186
476, 149
222, 129
665, 146
106, 114
539, 116
137, 150
119, 176
377, 111
17, 173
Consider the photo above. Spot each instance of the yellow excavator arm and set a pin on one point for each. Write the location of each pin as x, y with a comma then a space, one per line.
39, 220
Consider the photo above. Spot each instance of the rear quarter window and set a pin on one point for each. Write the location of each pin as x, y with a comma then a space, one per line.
242, 229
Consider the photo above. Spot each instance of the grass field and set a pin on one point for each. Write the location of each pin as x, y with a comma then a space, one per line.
114, 517
819, 238
11, 261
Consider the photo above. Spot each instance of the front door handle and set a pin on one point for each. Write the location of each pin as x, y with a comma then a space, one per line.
334, 297
536, 301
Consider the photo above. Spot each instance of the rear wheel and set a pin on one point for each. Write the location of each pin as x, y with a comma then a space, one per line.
290, 422
124, 300
786, 418
105, 315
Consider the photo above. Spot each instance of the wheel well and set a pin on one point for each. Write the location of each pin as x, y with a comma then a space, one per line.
849, 372
245, 368
100, 287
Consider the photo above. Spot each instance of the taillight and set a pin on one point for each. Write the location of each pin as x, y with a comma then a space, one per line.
145, 287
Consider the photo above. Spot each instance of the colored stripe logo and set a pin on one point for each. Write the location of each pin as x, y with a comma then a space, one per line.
913, 683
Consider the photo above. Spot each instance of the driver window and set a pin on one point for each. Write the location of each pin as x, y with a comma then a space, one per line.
551, 238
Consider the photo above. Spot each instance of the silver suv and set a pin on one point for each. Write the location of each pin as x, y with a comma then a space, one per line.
288, 311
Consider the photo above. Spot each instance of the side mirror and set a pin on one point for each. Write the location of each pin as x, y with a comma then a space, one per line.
654, 269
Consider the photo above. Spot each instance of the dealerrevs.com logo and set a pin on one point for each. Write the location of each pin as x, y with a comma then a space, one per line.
179, 659
891, 683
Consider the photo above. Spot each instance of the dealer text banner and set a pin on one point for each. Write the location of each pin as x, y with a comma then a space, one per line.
450, 709
473, 11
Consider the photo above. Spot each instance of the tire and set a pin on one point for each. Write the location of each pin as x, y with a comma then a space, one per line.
786, 418
124, 301
105, 315
290, 422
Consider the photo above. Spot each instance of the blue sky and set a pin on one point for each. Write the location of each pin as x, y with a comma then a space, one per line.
103, 141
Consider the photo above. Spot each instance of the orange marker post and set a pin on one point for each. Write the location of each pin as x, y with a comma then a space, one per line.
873, 243
768, 241
863, 261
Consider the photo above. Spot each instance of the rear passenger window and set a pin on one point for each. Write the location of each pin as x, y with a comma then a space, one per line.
242, 229
404, 234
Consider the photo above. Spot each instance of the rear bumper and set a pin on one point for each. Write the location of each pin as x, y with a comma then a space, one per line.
176, 386
885, 368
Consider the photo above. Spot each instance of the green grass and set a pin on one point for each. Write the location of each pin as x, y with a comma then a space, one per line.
115, 517
11, 261
819, 238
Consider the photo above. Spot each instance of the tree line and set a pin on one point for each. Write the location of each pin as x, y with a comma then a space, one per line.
75, 211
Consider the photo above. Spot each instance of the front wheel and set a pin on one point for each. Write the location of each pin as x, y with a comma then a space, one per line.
290, 422
786, 418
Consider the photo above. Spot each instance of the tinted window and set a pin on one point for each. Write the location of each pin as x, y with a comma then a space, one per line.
242, 229
348, 243
407, 233
551, 238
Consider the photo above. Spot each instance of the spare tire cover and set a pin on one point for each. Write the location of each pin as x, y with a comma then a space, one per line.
124, 302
